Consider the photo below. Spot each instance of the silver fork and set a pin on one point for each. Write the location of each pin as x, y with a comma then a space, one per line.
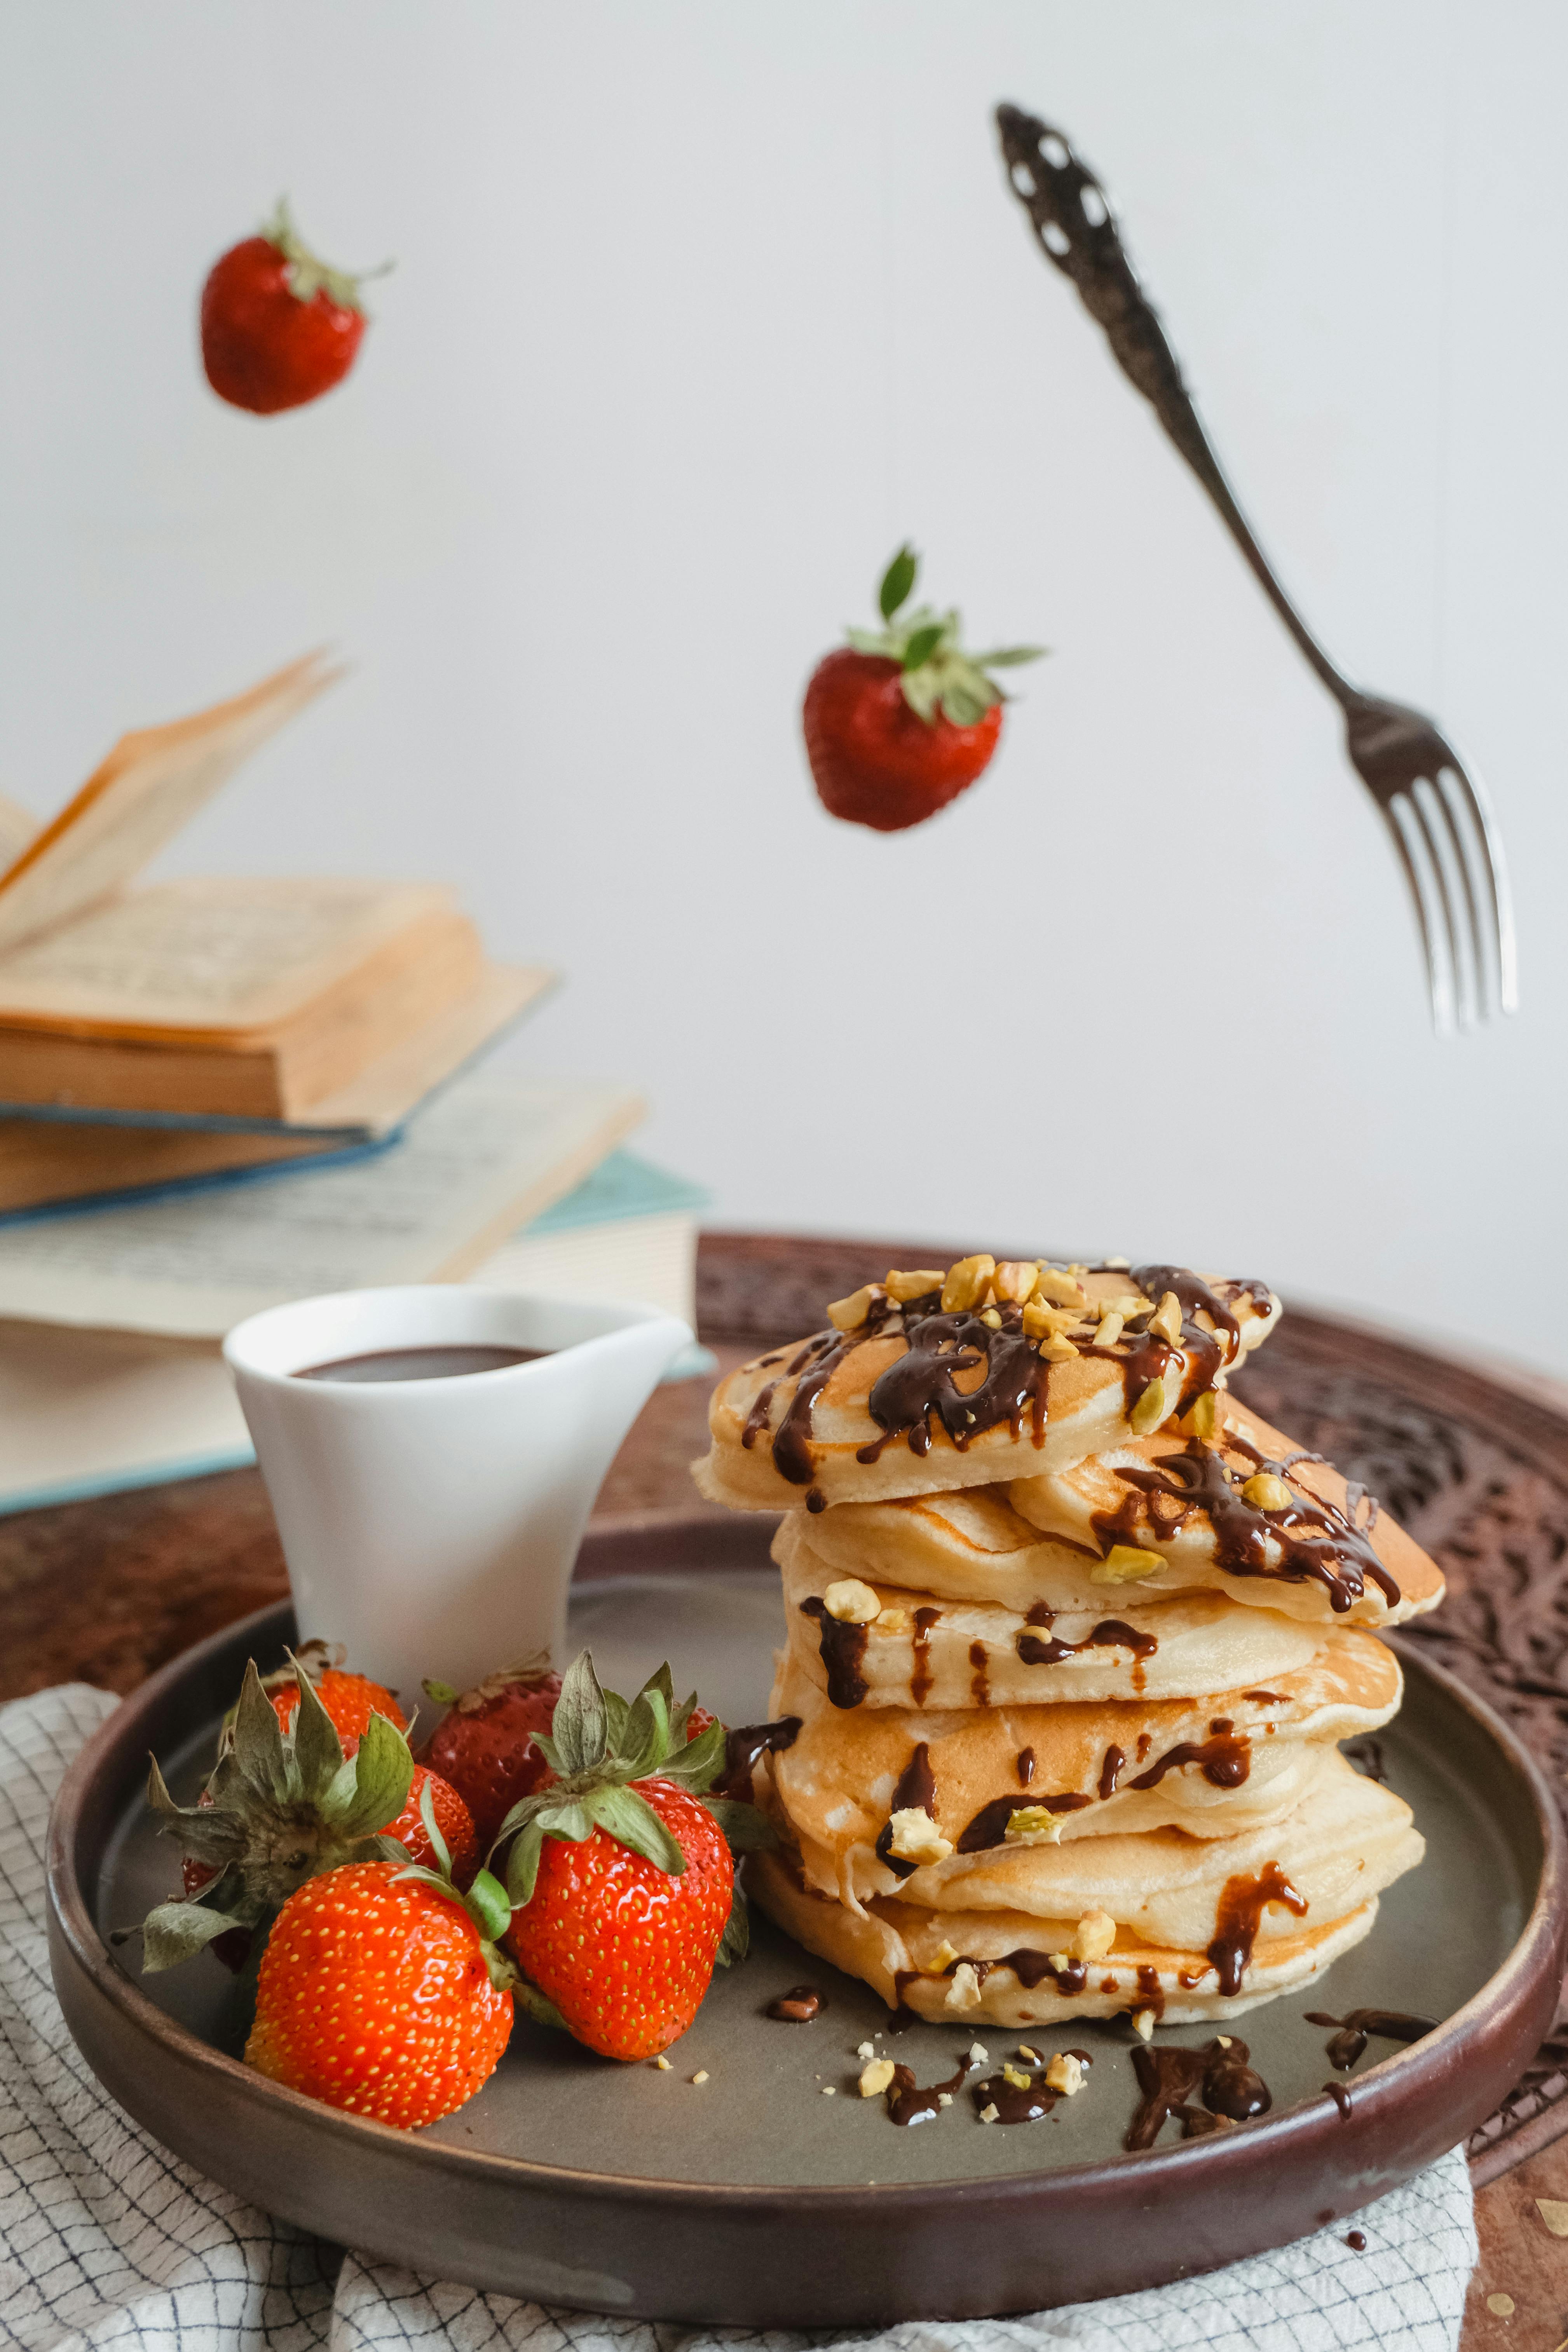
1444, 832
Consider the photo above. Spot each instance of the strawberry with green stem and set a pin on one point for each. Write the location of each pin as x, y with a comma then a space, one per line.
902, 719
281, 1808
279, 326
620, 1871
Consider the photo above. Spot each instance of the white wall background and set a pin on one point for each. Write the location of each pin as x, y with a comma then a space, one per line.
699, 309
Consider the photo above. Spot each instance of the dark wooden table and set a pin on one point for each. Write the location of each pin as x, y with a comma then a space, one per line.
1475, 1464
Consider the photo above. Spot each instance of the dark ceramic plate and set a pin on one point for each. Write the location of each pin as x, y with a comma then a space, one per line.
751, 2199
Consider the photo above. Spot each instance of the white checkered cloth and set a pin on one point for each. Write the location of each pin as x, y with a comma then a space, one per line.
106, 2240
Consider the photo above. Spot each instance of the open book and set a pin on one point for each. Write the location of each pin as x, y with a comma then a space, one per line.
265, 1002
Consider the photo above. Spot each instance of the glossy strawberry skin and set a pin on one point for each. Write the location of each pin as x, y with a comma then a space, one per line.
485, 1751
262, 348
453, 1820
874, 761
624, 1950
350, 1699
374, 1996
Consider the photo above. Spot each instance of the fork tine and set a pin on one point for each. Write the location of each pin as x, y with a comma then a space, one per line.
1462, 791
1446, 848
1399, 814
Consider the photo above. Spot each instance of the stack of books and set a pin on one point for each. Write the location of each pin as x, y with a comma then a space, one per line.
169, 1052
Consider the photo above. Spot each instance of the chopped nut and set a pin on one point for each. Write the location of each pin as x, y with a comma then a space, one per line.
992, 1320
865, 2049
663, 2065
1150, 1409
1143, 2024
1095, 1936
852, 1603
1200, 1421
1016, 2077
1058, 1348
893, 1620
1032, 1825
917, 1285
916, 1837
1015, 1279
963, 1992
967, 1284
1266, 1493
876, 2077
1555, 2213
988, 2115
945, 1956
979, 2053
700, 2076
1125, 1564
945, 2098
1039, 1320
827, 2091
1065, 2073
1501, 2305
1116, 1265
1109, 1329
848, 1314
1166, 1319
1032, 2055
1204, 1320
1058, 1960
1224, 2041
1059, 1288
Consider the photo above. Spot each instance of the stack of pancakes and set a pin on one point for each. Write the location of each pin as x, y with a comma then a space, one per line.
1071, 1640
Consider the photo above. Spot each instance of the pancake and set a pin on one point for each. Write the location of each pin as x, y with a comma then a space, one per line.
1327, 1552
918, 1650
910, 1400
901, 1952
1238, 1761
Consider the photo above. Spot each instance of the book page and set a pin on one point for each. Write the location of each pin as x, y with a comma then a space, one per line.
482, 1159
18, 826
204, 956
152, 783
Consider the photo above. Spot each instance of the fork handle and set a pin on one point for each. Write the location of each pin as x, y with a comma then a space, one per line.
1073, 220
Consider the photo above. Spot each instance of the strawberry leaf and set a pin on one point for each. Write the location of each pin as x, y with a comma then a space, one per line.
489, 1906
697, 1764
384, 1770
441, 1693
258, 1754
616, 1714
318, 1750
173, 1932
631, 1821
570, 1820
537, 2005
736, 1940
746, 1830
432, 1829
923, 690
922, 644
1009, 657
580, 1724
897, 581
646, 1738
964, 706
522, 1865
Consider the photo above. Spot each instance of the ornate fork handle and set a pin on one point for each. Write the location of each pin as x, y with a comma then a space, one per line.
1072, 219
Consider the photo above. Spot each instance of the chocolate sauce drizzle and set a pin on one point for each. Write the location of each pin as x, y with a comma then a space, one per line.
1111, 1634
1315, 1540
1020, 2102
1386, 2024
1110, 1772
1341, 2097
744, 1749
918, 1391
1242, 1904
1025, 1766
843, 1650
922, 1678
908, 2105
1226, 1758
989, 1827
798, 2006
1221, 2073
916, 1793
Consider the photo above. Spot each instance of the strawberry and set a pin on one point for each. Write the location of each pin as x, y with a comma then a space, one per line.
485, 1746
453, 1820
350, 1699
278, 327
700, 1720
901, 720
282, 1807
382, 1991
620, 1874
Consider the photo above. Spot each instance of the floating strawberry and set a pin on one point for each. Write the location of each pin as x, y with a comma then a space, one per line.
901, 720
485, 1746
620, 1874
382, 1991
278, 327
281, 1808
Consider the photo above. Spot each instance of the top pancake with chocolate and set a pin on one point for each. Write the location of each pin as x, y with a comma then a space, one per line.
978, 1381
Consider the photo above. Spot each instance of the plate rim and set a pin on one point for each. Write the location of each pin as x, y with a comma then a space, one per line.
1290, 2132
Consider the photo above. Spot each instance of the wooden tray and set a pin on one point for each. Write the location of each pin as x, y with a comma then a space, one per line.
751, 2199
